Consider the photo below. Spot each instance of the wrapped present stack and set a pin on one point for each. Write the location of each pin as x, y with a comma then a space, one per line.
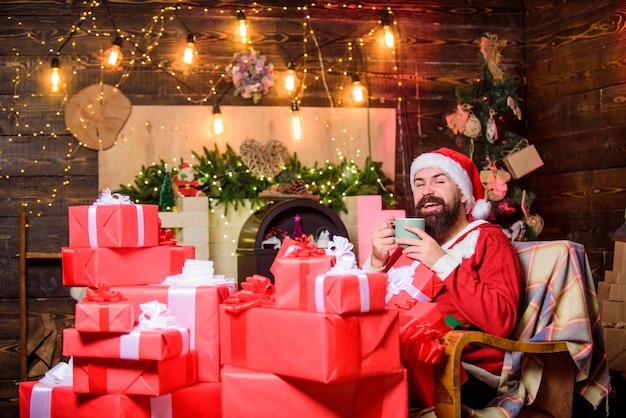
146, 337
612, 301
319, 343
159, 334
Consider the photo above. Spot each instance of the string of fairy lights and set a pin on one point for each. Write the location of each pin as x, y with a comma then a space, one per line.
96, 20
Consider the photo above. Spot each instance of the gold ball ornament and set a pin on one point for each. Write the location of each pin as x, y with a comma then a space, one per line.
473, 127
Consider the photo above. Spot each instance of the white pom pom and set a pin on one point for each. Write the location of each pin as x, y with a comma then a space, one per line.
481, 209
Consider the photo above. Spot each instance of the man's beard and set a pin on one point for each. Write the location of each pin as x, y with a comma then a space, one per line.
438, 224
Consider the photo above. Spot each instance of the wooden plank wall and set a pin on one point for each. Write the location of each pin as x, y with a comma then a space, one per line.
566, 57
576, 77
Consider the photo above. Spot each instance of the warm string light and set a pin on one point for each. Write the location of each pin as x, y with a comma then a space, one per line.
218, 122
390, 40
155, 32
242, 27
296, 122
55, 77
190, 50
113, 57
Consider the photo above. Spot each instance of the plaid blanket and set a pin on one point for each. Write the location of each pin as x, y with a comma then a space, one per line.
561, 305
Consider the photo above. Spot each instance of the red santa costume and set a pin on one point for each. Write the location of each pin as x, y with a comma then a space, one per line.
477, 283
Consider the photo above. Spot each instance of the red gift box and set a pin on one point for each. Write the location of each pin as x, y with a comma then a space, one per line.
104, 317
347, 293
134, 377
295, 264
146, 344
421, 327
201, 400
409, 279
307, 345
195, 308
245, 393
113, 226
95, 267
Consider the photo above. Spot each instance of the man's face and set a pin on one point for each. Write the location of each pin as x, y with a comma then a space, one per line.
437, 199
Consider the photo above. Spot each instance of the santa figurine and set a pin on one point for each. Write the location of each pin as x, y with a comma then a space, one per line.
186, 183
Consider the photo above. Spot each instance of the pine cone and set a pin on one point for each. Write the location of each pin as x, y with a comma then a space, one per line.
297, 187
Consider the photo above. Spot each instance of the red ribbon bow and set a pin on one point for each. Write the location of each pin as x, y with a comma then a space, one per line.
306, 248
103, 294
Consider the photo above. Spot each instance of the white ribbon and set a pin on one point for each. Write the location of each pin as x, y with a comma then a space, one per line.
161, 406
112, 199
108, 199
182, 301
364, 288
41, 396
401, 279
129, 343
341, 248
156, 315
200, 273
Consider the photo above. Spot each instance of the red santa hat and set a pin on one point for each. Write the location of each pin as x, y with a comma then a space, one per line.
463, 171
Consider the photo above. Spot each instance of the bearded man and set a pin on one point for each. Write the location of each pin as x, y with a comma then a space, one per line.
476, 271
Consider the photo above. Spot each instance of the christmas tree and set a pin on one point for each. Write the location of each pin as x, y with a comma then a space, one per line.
484, 126
167, 200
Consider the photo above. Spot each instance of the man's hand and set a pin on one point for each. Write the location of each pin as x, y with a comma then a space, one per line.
425, 250
383, 243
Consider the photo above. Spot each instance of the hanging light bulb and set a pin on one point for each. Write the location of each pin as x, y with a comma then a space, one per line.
390, 40
290, 78
218, 122
113, 56
296, 123
190, 49
358, 91
242, 27
55, 77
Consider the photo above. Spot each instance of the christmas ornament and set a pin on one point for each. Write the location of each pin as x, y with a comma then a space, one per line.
251, 74
186, 182
495, 183
264, 160
490, 47
473, 128
297, 228
492, 130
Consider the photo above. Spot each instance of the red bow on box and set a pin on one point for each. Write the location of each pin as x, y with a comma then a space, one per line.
303, 247
103, 294
257, 290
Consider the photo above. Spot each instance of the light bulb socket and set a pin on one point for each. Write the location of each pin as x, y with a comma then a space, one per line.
55, 63
241, 15
216, 109
291, 65
294, 106
191, 38
387, 19
118, 41
355, 78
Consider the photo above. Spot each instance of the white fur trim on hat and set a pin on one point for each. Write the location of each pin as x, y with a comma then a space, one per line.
454, 170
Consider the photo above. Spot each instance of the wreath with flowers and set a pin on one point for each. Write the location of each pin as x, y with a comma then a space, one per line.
251, 74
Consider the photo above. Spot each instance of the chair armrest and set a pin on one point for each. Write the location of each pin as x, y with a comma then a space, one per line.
448, 370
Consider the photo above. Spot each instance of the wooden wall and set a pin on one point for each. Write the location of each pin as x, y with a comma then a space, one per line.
575, 87
568, 54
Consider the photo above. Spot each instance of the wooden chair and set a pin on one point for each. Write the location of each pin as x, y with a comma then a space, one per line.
549, 338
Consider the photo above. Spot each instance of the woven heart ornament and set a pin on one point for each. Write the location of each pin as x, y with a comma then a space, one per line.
263, 159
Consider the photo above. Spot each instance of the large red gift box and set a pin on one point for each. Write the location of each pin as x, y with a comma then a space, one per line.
139, 344
113, 315
421, 327
247, 393
409, 279
341, 293
134, 377
308, 345
38, 400
113, 226
195, 308
95, 267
